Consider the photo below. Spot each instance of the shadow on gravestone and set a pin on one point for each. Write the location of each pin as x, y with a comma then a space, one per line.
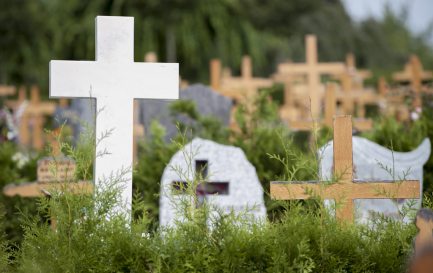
369, 161
207, 101
230, 182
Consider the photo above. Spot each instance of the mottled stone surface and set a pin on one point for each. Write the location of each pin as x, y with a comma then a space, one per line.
207, 101
225, 164
370, 163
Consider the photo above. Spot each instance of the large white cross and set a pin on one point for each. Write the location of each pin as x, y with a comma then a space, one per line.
115, 80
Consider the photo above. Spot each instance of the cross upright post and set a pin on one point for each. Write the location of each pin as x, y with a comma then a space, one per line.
114, 80
345, 189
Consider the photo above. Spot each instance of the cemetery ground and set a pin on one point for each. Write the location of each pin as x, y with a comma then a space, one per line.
299, 236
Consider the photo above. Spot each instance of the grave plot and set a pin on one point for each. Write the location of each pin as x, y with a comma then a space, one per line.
341, 186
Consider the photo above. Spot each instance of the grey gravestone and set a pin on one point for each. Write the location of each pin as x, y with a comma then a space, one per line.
207, 101
232, 183
85, 110
370, 161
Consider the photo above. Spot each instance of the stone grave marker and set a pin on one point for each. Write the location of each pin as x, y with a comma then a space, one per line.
53, 174
341, 185
229, 181
114, 80
207, 101
369, 161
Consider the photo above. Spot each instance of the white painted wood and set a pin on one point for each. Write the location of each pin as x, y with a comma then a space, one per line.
115, 80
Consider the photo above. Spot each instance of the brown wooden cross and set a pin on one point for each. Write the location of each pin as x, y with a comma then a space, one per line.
353, 91
313, 70
35, 112
392, 101
414, 74
424, 223
238, 88
7, 90
345, 190
330, 111
54, 174
15, 104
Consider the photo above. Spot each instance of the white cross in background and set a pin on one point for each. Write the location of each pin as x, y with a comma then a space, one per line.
115, 80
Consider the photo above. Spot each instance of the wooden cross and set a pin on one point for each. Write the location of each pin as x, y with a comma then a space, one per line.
353, 88
424, 223
22, 97
414, 74
238, 88
53, 175
345, 190
34, 114
7, 90
392, 101
330, 111
313, 70
115, 80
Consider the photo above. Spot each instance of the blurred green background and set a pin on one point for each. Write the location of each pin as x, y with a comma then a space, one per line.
192, 32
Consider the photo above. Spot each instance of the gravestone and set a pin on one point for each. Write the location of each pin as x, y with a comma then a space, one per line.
114, 80
207, 101
53, 174
231, 182
60, 169
369, 160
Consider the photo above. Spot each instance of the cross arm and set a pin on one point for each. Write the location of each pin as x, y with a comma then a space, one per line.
357, 190
330, 68
72, 78
36, 189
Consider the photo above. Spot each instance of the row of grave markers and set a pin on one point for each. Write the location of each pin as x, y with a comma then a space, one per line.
304, 92
296, 110
115, 69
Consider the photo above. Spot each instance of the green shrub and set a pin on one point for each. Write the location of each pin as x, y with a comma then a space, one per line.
303, 240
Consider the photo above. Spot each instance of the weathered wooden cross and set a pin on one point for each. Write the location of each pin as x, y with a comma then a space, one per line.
7, 90
345, 190
414, 74
34, 115
238, 88
15, 104
313, 71
115, 80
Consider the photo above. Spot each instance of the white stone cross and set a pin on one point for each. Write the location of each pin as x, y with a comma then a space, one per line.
115, 80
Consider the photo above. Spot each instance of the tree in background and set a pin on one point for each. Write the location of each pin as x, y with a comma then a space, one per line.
192, 32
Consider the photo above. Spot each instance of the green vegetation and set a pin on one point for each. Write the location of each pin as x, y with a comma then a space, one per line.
303, 237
